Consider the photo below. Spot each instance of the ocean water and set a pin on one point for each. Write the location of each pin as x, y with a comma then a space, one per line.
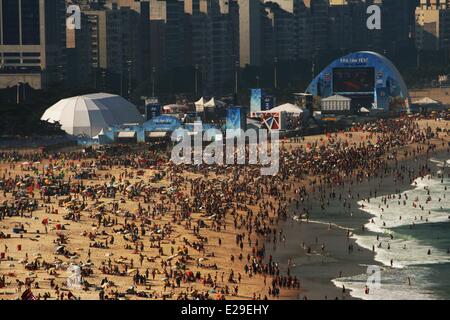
413, 233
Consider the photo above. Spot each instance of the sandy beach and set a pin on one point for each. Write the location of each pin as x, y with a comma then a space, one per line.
154, 230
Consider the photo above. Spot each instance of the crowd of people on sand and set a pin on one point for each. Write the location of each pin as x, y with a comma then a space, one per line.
219, 199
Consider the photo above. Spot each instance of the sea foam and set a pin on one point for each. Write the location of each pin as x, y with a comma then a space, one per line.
395, 223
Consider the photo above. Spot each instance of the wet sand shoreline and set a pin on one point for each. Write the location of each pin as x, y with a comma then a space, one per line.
318, 269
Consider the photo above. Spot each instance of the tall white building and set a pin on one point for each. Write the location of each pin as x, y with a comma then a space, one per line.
250, 32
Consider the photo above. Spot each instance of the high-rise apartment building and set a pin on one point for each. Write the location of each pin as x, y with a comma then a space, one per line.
231, 8
78, 53
319, 24
279, 35
397, 28
32, 42
167, 32
119, 38
309, 25
348, 26
433, 25
250, 32
135, 19
360, 35
303, 30
209, 44
340, 26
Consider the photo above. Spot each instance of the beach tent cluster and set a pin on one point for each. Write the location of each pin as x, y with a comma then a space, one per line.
201, 105
426, 104
88, 115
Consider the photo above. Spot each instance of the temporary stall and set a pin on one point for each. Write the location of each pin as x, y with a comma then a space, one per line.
126, 135
336, 104
175, 108
289, 108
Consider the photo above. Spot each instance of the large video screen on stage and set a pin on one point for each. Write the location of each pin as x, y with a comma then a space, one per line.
353, 80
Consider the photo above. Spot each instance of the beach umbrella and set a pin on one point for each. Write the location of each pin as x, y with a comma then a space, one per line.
189, 273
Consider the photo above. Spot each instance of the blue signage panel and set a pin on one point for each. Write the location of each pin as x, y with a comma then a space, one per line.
152, 110
255, 100
236, 118
268, 102
382, 98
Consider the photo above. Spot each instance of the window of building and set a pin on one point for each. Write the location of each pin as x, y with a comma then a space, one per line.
10, 18
30, 22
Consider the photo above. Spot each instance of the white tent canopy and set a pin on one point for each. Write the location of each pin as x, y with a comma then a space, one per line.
200, 105
364, 110
157, 134
287, 107
211, 103
426, 100
214, 103
101, 133
89, 114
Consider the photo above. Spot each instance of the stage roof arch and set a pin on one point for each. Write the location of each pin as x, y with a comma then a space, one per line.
387, 79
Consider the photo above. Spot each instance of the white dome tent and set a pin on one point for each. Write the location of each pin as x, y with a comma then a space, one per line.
89, 114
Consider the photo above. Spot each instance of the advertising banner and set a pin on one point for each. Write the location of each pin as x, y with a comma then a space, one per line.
236, 118
255, 100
